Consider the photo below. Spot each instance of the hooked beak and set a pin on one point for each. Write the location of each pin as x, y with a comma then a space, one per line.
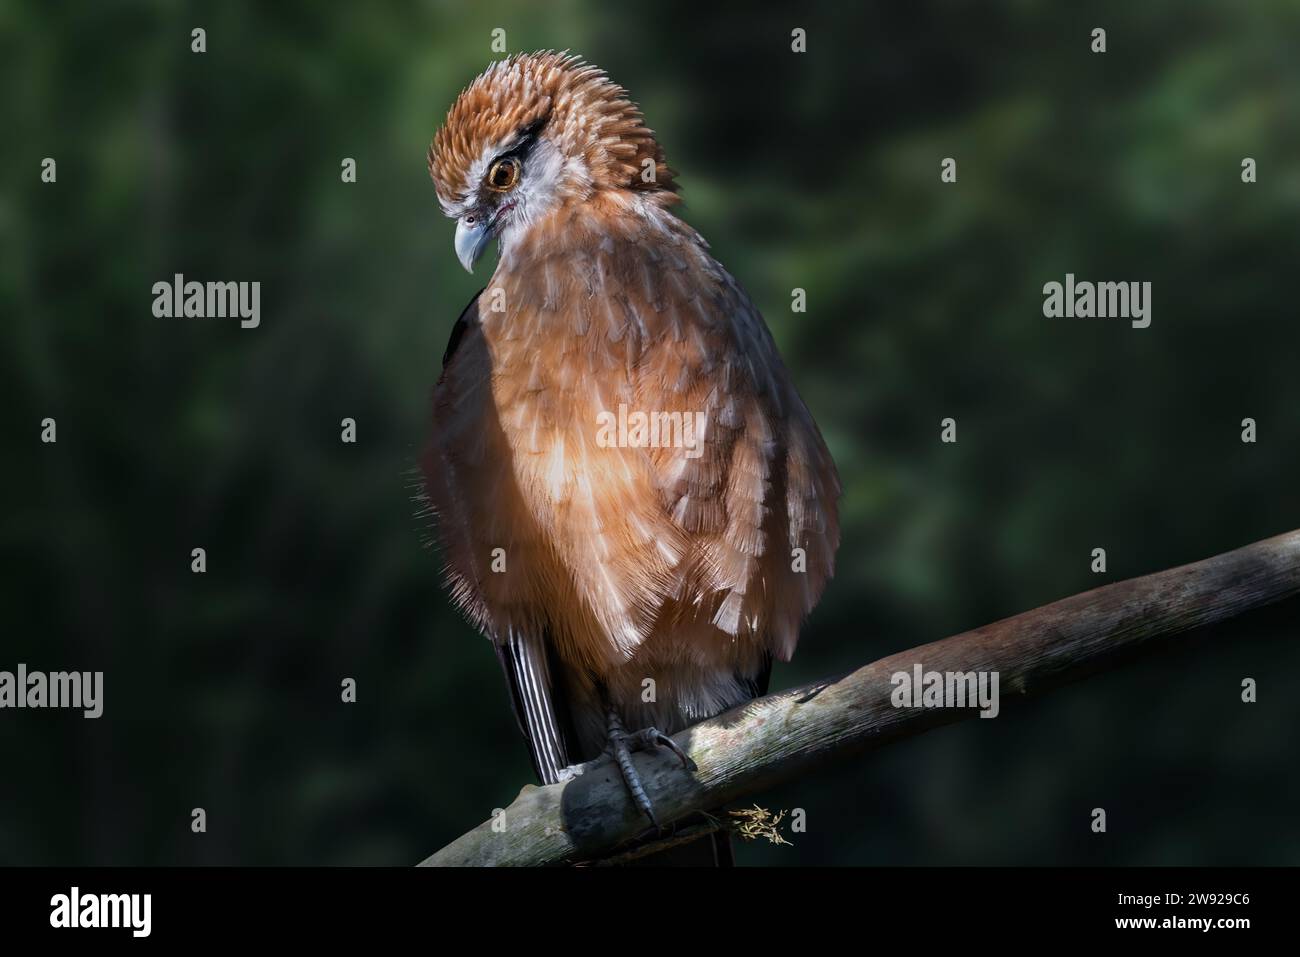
472, 238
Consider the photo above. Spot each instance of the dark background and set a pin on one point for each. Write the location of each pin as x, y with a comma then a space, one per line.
819, 171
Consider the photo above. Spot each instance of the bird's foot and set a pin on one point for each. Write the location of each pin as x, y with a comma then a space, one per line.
565, 775
622, 744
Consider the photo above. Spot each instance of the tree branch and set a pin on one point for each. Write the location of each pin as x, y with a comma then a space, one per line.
777, 738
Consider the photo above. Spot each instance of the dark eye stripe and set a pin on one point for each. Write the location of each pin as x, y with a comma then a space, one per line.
525, 140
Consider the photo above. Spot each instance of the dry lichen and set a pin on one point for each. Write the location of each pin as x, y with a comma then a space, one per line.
758, 822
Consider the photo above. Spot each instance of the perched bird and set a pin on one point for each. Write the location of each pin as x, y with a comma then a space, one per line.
633, 502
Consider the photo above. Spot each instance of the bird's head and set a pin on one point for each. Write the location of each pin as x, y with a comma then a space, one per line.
534, 133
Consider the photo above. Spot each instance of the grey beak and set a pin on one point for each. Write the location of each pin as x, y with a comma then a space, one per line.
471, 240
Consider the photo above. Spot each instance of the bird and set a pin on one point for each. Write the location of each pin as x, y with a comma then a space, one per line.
633, 503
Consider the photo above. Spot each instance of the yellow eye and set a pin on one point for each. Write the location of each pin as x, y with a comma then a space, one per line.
503, 175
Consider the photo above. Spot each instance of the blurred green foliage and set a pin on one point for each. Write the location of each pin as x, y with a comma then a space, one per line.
817, 171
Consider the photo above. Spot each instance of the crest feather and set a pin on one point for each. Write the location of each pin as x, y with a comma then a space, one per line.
570, 102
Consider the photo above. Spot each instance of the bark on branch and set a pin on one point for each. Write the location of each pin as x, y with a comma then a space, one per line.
779, 737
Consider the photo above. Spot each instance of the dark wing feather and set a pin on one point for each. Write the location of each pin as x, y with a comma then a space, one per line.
467, 315
532, 675
530, 667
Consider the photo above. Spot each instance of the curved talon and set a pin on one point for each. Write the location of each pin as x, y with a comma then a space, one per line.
653, 738
623, 744
675, 748
623, 757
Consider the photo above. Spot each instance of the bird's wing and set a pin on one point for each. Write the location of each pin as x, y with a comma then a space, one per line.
759, 499
489, 539
467, 459
467, 315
